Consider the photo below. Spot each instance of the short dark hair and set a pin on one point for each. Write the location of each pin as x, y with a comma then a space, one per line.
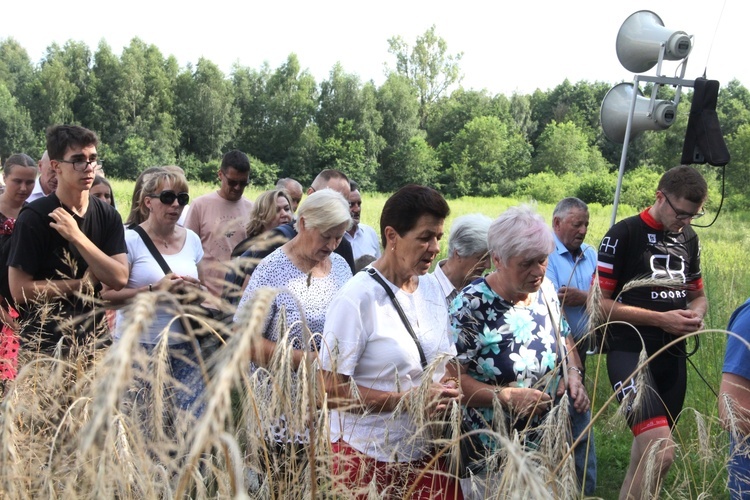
353, 186
237, 160
62, 137
404, 208
685, 182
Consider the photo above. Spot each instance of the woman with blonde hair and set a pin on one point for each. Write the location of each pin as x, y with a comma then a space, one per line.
271, 209
165, 257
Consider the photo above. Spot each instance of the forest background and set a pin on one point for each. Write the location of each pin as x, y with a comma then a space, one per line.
420, 126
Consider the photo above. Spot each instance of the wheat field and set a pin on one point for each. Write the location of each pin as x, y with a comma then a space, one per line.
72, 427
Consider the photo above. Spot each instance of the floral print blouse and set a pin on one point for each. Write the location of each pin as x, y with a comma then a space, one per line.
502, 344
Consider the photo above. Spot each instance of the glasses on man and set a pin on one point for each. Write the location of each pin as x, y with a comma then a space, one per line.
168, 196
679, 214
233, 183
81, 165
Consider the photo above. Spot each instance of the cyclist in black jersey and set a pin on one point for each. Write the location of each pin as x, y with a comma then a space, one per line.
658, 243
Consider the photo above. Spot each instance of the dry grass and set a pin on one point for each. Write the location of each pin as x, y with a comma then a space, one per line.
70, 427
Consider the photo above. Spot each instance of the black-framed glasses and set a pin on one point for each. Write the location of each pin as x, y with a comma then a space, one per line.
81, 165
168, 196
679, 214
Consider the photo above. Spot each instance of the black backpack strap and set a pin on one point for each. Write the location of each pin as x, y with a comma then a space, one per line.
152, 248
374, 275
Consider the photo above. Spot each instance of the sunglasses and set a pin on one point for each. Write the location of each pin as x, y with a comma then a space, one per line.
233, 183
167, 197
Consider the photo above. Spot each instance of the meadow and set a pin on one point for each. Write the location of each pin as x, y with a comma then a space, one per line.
65, 433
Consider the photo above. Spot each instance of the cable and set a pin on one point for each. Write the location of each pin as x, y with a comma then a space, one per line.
721, 202
716, 30
702, 377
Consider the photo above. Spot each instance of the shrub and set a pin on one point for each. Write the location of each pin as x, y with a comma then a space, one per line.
597, 188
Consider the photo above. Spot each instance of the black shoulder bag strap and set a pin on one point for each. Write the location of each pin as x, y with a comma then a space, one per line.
152, 248
374, 275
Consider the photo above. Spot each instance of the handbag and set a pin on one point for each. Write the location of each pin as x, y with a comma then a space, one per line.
471, 455
188, 324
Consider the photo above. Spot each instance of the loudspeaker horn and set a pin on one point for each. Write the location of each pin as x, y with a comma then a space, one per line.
616, 107
639, 42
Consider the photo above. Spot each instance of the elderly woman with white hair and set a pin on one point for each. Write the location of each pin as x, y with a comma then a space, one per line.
306, 274
511, 337
468, 257
305, 271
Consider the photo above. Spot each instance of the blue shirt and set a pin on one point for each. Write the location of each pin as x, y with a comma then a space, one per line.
562, 270
737, 357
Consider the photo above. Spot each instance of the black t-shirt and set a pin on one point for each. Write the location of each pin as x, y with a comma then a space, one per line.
639, 247
40, 251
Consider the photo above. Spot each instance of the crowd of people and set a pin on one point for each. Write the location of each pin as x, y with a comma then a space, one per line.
500, 328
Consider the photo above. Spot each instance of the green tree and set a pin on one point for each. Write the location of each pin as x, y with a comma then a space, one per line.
485, 158
342, 98
520, 111
450, 115
414, 162
52, 93
346, 152
16, 70
428, 66
205, 110
738, 171
733, 107
397, 103
277, 111
563, 147
16, 133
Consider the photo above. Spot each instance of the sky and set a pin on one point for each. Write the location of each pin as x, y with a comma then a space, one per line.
508, 46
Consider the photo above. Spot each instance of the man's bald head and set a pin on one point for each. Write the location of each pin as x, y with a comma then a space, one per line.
47, 177
333, 179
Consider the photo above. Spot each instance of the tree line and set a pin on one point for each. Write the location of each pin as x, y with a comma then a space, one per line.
420, 125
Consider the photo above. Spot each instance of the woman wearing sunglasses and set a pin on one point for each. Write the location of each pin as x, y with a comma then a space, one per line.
157, 241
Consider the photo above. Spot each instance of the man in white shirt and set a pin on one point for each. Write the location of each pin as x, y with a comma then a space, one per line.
46, 183
363, 238
468, 257
219, 218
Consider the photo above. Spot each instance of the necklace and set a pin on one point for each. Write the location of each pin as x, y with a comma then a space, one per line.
150, 229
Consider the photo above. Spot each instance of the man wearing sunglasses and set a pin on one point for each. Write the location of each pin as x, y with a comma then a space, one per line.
219, 218
64, 247
658, 244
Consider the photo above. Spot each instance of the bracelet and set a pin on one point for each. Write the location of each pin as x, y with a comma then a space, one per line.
577, 370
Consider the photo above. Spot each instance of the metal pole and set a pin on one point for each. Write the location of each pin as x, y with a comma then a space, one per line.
623, 157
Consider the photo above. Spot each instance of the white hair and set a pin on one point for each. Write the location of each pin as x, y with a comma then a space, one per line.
519, 231
469, 235
324, 210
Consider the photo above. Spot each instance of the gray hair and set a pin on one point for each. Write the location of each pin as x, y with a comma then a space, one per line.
519, 231
324, 210
567, 204
469, 235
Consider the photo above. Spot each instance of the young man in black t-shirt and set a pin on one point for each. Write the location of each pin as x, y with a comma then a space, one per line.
64, 247
658, 244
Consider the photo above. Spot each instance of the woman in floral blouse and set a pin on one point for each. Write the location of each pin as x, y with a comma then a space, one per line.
507, 327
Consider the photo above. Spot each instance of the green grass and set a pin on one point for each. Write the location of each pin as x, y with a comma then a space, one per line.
727, 284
